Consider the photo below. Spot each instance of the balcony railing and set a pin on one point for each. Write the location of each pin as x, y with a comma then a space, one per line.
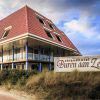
40, 57
31, 56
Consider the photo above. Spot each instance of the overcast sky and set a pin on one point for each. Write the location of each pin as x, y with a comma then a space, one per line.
79, 19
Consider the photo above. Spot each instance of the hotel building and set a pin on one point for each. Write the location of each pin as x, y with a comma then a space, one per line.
28, 40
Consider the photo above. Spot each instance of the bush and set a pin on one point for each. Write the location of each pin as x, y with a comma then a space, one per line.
13, 76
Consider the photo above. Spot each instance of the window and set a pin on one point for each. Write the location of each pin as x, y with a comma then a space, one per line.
58, 38
48, 34
40, 20
5, 33
51, 26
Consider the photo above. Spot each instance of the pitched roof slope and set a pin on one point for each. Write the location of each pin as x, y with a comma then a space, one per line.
18, 22
35, 27
25, 21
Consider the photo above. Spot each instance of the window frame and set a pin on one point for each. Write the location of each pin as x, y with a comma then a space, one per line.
5, 34
40, 19
7, 29
51, 37
58, 38
51, 26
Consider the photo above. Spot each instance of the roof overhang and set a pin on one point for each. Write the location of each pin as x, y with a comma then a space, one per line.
49, 41
30, 35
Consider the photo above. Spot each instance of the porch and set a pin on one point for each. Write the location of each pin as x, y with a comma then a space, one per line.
27, 52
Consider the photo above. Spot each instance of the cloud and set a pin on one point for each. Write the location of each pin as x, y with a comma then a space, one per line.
84, 32
54, 10
81, 26
79, 19
7, 7
57, 10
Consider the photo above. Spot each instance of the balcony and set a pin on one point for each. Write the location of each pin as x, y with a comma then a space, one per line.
41, 57
31, 56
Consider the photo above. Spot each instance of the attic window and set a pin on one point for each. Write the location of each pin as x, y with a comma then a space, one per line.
58, 38
6, 31
40, 20
51, 26
49, 34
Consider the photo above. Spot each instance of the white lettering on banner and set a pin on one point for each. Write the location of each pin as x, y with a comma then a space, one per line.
80, 63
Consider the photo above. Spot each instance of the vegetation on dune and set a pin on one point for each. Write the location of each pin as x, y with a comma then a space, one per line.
59, 86
54, 86
10, 78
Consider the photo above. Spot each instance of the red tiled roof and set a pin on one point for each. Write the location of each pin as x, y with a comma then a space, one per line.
25, 21
18, 22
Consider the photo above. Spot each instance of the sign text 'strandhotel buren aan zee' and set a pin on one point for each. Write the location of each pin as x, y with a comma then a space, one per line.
80, 63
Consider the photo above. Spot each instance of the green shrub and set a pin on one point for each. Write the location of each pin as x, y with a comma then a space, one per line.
14, 75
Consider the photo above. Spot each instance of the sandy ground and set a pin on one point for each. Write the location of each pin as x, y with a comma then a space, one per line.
5, 97
14, 95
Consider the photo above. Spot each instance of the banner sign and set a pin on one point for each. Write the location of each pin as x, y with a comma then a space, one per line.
80, 63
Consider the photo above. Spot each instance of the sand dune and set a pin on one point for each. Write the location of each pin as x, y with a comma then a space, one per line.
15, 95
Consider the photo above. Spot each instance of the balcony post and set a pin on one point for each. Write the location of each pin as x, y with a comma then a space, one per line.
1, 66
40, 67
49, 66
39, 53
13, 57
26, 48
2, 59
40, 64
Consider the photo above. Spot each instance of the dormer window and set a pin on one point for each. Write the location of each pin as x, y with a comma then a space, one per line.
40, 20
51, 26
58, 38
6, 31
49, 34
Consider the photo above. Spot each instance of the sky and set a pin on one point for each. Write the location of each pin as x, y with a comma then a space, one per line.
78, 19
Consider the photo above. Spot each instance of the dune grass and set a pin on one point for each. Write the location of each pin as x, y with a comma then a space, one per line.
54, 86
57, 86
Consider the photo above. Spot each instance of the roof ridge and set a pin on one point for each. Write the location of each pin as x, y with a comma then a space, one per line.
26, 11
